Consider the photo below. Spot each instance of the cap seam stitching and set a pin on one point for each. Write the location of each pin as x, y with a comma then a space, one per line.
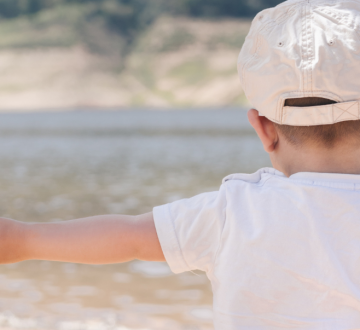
308, 71
345, 111
307, 48
325, 2
311, 59
277, 21
350, 26
302, 47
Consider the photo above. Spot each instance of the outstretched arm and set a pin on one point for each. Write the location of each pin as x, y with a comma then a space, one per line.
95, 240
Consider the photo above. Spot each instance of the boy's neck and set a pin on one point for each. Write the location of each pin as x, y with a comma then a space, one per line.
341, 159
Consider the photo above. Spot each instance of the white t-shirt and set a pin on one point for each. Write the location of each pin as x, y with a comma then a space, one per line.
281, 253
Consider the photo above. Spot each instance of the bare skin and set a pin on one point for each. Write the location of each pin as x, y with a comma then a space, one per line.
343, 158
100, 239
108, 239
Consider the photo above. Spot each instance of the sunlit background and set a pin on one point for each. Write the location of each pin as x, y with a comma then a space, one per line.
116, 106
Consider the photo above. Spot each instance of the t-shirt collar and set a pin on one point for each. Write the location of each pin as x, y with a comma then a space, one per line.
339, 180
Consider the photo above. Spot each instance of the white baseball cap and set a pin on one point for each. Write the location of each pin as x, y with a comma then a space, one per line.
304, 48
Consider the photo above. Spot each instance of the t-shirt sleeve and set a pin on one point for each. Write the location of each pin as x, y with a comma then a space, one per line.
189, 230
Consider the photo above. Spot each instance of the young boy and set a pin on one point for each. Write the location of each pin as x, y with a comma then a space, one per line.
281, 247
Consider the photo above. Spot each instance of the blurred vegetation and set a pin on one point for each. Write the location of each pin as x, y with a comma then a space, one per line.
124, 13
127, 17
156, 52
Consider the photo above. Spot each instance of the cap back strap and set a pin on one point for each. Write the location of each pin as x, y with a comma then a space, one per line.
322, 114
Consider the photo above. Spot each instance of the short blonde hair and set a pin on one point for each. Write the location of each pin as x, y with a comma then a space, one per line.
322, 135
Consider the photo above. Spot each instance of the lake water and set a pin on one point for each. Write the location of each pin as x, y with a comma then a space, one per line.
60, 166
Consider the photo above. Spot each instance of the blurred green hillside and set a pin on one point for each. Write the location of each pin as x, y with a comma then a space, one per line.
99, 53
126, 18
124, 13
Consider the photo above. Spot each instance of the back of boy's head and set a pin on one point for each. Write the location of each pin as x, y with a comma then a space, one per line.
300, 68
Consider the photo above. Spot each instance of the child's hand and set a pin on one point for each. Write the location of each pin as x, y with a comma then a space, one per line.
12, 241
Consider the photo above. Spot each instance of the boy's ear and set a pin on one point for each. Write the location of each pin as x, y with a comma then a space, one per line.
265, 129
